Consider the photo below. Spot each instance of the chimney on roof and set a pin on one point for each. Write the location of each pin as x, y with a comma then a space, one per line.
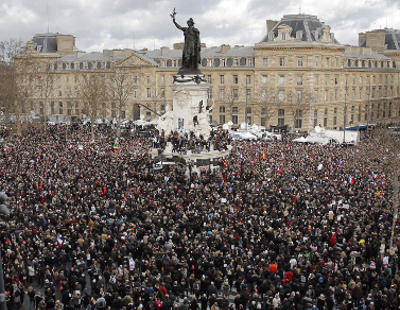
224, 48
65, 43
179, 46
271, 24
361, 37
164, 50
376, 40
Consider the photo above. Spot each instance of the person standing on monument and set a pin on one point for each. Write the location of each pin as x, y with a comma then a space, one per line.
191, 49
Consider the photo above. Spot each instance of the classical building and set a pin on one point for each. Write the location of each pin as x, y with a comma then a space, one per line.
297, 76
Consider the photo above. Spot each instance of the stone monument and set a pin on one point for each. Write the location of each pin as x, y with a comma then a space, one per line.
190, 90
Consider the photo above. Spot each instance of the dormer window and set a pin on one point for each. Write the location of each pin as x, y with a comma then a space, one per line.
283, 35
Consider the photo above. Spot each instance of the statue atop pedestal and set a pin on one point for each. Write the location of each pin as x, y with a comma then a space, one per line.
192, 47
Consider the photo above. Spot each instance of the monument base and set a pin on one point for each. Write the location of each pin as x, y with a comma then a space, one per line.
190, 112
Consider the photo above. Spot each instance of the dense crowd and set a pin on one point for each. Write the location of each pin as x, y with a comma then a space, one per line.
278, 226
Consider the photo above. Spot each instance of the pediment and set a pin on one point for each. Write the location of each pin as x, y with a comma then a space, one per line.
135, 60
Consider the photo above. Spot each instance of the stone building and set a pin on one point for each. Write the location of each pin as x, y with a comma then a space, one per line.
298, 76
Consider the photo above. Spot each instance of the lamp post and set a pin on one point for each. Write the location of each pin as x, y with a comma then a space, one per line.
3, 212
245, 112
345, 114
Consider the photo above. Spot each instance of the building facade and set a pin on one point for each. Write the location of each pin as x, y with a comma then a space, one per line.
298, 76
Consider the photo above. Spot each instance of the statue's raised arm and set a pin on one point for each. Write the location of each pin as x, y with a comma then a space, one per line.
175, 23
192, 47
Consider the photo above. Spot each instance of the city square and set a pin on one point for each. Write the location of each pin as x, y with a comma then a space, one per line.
225, 177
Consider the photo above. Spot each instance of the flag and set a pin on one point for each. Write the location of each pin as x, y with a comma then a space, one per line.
357, 151
374, 176
383, 183
116, 147
263, 156
279, 169
351, 180
60, 241
132, 264
341, 163
257, 154
226, 163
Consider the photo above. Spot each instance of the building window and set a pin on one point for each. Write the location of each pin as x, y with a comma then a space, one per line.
299, 80
148, 79
235, 94
282, 80
300, 62
135, 93
162, 92
299, 94
264, 95
148, 91
148, 116
135, 79
265, 61
69, 109
325, 117
352, 115
222, 79
162, 79
41, 108
316, 61
263, 117
315, 118
248, 115
235, 79
248, 79
209, 79
90, 65
163, 109
281, 95
222, 94
222, 115
284, 35
60, 108
248, 94
298, 119
264, 79
235, 112
59, 93
76, 108
390, 110
98, 65
334, 116
281, 117
281, 61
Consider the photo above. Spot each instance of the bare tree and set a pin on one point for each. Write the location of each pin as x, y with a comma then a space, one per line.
11, 80
120, 88
93, 94
46, 88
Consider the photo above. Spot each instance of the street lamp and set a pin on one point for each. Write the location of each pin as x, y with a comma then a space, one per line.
246, 105
345, 114
3, 212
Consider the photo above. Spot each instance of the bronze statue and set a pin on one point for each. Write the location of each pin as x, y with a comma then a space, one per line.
191, 49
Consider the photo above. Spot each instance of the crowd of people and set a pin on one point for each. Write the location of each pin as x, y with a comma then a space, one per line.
279, 225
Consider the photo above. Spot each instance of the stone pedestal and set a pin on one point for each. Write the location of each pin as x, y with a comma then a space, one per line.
189, 112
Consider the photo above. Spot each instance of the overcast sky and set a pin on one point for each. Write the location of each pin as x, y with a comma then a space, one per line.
99, 24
